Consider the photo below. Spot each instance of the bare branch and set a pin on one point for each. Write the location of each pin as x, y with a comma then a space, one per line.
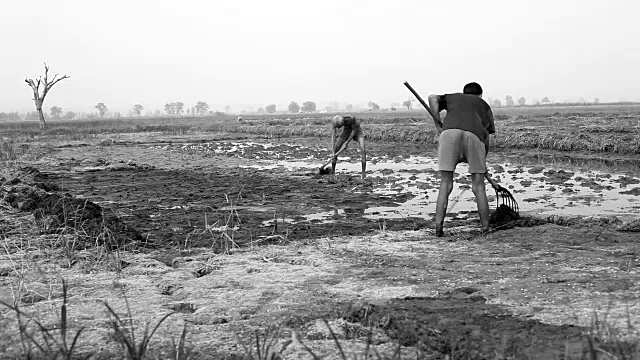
54, 82
34, 87
46, 73
48, 86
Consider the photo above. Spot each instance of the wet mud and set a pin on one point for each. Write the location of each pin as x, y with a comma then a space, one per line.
238, 193
463, 324
248, 205
59, 212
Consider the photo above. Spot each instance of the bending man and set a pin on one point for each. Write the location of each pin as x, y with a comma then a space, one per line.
464, 137
351, 130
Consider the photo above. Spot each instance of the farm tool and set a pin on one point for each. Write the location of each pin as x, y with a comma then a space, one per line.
323, 169
506, 204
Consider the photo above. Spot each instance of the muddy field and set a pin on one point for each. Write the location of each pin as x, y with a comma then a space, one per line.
237, 233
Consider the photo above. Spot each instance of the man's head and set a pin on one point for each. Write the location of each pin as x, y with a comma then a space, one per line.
472, 88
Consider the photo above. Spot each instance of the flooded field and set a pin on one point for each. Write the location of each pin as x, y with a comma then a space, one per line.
543, 186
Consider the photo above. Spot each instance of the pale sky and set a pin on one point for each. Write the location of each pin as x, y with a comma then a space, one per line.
260, 52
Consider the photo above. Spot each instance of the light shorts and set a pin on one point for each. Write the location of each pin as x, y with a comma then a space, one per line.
456, 145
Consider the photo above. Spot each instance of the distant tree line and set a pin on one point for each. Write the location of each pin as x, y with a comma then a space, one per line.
42, 85
307, 107
509, 102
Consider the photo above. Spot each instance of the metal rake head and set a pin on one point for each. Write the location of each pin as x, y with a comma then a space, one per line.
505, 198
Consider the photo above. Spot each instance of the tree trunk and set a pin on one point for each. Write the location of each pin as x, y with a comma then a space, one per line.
43, 123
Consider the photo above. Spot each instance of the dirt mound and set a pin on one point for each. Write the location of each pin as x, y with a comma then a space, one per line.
584, 220
505, 218
63, 213
464, 324
503, 215
22, 196
631, 226
58, 212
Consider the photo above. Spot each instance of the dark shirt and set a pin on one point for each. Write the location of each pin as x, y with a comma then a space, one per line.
467, 112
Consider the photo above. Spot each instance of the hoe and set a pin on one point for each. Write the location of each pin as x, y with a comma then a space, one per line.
324, 169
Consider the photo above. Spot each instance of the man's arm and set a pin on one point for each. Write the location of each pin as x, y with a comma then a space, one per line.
493, 183
434, 104
353, 133
346, 143
491, 129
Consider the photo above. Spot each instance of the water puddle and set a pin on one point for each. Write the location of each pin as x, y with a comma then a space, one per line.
541, 187
250, 150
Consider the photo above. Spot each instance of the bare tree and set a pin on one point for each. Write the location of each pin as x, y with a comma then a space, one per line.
38, 96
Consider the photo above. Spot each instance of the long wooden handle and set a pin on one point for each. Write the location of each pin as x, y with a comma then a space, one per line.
426, 106
344, 147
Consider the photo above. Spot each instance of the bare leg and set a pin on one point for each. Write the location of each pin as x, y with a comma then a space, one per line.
334, 160
364, 155
477, 185
446, 185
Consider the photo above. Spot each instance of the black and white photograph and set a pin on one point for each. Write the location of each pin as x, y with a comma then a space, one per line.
348, 180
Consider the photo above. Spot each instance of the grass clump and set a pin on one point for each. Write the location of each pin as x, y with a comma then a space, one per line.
39, 341
124, 334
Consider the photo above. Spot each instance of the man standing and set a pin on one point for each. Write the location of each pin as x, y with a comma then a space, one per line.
464, 137
351, 131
